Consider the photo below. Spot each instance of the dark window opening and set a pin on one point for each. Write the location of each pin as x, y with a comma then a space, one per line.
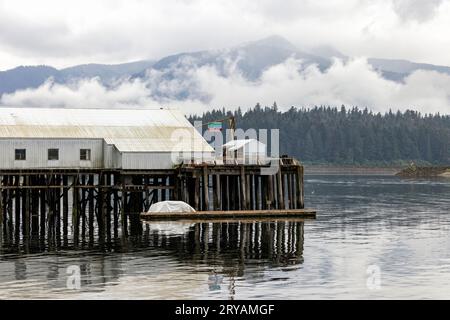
53, 154
21, 154
85, 154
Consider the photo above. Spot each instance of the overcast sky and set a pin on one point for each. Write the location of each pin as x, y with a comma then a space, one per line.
64, 33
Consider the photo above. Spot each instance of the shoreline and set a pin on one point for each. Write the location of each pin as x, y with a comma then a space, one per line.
350, 170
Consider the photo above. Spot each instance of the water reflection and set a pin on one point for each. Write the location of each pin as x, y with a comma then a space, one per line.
278, 242
210, 254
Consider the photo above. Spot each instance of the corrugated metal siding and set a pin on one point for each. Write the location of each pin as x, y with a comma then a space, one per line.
156, 160
117, 159
37, 153
108, 156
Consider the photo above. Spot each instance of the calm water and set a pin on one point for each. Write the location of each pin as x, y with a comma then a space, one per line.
374, 237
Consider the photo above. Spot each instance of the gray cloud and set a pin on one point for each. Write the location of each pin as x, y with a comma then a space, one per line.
418, 10
71, 32
353, 83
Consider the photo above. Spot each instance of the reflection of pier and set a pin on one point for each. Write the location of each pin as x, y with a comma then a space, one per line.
78, 202
280, 242
225, 249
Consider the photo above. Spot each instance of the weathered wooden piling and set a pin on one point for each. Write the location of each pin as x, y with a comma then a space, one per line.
37, 202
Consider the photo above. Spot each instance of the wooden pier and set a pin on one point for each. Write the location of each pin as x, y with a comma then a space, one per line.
235, 214
94, 202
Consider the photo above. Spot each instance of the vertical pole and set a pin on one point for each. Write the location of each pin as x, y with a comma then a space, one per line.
3, 200
264, 192
251, 191
17, 201
290, 191
75, 207
65, 211
26, 207
50, 200
163, 190
116, 209
100, 204
225, 193
243, 189
233, 198
10, 207
205, 188
197, 193
300, 190
35, 208
58, 207
108, 205
270, 192
91, 207
104, 204
43, 218
248, 189
257, 193
281, 200
123, 201
173, 193
1, 204
217, 193
83, 207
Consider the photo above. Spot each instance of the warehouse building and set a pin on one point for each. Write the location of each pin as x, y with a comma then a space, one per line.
140, 139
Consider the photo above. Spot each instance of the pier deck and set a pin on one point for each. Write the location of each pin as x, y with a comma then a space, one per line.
234, 214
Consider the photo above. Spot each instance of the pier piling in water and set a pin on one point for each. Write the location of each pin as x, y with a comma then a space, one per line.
38, 202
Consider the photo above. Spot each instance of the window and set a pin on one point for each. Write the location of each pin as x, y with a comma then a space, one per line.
21, 154
53, 154
85, 154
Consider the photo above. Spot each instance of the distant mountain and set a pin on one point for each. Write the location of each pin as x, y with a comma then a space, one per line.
24, 77
250, 59
105, 72
397, 70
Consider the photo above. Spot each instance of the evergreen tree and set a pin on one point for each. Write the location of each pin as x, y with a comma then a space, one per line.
349, 136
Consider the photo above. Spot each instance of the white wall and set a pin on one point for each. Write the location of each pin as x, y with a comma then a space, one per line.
37, 153
102, 155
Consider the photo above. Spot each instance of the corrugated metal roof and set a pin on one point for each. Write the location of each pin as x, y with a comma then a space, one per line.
128, 129
91, 117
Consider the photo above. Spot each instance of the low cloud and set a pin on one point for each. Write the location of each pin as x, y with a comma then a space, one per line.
196, 89
418, 10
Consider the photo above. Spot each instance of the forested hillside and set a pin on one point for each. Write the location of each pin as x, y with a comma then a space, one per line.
326, 135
